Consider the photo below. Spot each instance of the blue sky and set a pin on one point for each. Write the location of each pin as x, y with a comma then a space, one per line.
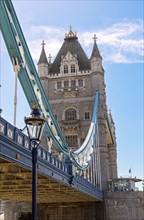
118, 26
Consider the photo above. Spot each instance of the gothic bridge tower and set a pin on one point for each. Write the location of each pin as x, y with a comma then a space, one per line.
70, 83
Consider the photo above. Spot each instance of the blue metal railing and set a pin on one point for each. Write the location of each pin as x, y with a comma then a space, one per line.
16, 135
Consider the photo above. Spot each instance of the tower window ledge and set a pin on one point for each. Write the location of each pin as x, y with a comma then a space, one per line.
69, 89
70, 94
66, 89
84, 72
75, 121
74, 88
54, 75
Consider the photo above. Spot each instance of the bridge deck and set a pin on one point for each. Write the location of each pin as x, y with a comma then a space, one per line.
16, 185
53, 175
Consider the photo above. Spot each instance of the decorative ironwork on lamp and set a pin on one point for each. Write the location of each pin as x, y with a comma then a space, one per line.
34, 124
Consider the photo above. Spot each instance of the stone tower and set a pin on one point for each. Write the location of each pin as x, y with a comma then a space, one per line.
70, 83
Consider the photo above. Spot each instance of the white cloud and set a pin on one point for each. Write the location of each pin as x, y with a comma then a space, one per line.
52, 47
47, 31
121, 42
117, 58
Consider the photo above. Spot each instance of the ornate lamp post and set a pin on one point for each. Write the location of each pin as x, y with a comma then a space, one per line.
34, 125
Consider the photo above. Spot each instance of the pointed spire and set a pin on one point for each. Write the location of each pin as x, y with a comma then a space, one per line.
95, 51
43, 58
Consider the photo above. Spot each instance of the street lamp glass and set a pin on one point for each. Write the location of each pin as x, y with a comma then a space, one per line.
34, 124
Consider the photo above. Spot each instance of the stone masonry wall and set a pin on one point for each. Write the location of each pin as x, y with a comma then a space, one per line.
75, 211
19, 210
60, 211
117, 206
124, 205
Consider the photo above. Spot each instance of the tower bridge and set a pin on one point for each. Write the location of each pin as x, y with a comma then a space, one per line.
78, 155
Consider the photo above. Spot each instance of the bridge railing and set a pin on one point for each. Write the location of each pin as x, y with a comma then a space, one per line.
16, 135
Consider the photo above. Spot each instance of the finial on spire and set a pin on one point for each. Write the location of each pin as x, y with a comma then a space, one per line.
49, 58
71, 34
95, 38
43, 44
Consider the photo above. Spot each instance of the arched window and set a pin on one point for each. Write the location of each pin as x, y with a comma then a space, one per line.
65, 68
70, 114
72, 68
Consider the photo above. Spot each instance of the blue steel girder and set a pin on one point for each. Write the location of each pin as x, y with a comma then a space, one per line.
30, 82
27, 74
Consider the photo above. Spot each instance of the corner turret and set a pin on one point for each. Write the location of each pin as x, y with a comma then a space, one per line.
43, 67
43, 58
96, 59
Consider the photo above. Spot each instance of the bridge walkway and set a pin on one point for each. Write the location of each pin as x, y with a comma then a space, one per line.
55, 181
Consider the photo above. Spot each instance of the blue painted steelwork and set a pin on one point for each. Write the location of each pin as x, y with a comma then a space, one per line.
13, 142
30, 82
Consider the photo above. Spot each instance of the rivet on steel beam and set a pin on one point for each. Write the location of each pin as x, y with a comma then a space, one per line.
17, 156
38, 166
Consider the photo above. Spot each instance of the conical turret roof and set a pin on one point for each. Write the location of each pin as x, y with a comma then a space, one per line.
43, 58
95, 51
71, 45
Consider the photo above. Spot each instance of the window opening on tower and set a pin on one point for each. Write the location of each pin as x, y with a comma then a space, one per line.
73, 68
70, 114
65, 68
